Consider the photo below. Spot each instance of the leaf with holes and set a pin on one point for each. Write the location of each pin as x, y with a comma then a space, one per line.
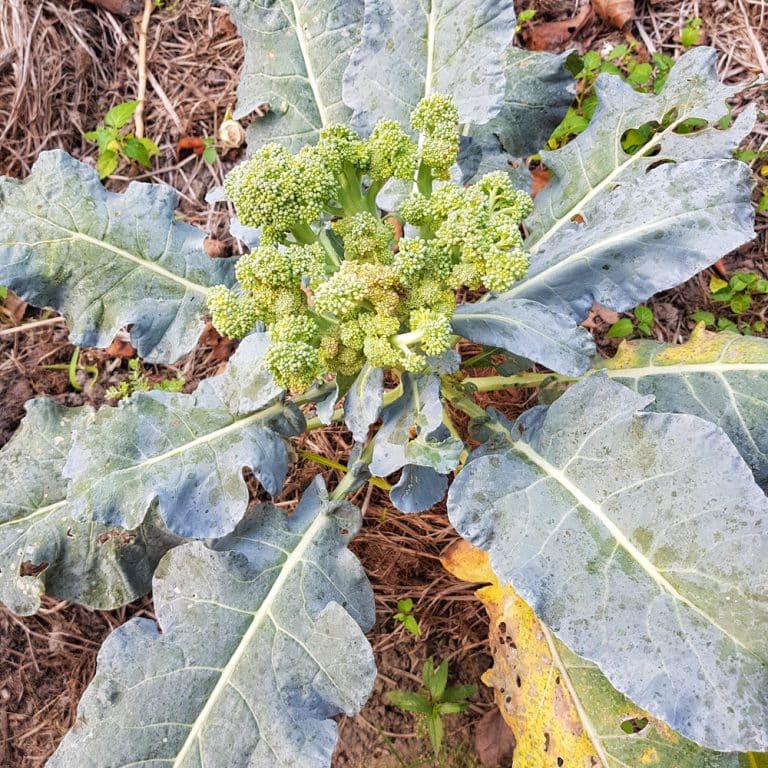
635, 536
560, 707
410, 49
295, 54
613, 227
721, 377
185, 452
44, 548
287, 604
106, 260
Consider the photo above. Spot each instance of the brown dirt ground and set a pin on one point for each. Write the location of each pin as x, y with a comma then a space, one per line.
62, 64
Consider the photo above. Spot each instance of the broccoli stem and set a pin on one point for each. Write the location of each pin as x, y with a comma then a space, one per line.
304, 234
494, 383
324, 322
424, 180
405, 340
332, 256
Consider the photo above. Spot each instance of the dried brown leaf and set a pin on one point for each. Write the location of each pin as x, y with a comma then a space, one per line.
555, 35
615, 12
494, 741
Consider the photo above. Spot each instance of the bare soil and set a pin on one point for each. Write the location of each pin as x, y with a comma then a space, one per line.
62, 64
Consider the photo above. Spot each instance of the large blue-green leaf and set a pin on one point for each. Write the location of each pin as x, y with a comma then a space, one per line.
295, 54
261, 642
411, 48
721, 377
185, 452
524, 327
106, 260
539, 91
640, 539
615, 227
81, 560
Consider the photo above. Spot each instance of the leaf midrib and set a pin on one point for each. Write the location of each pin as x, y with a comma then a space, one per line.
595, 509
263, 612
150, 266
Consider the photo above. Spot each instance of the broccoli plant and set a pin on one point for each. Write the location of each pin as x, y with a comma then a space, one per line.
386, 209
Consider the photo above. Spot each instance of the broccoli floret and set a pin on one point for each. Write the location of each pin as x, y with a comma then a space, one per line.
366, 237
332, 282
233, 315
437, 120
280, 192
293, 364
392, 153
342, 293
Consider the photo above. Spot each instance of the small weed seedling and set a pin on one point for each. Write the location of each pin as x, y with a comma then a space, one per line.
642, 323
138, 382
405, 616
113, 143
737, 293
692, 33
434, 701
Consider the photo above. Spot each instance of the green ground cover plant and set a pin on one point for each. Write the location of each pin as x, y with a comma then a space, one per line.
387, 215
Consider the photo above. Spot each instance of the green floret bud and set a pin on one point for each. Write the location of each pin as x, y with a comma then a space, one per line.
295, 328
342, 293
378, 324
352, 335
434, 294
365, 236
413, 258
437, 119
294, 365
503, 268
308, 262
467, 273
380, 352
416, 210
233, 315
445, 199
502, 195
392, 153
435, 328
267, 265
339, 144
279, 192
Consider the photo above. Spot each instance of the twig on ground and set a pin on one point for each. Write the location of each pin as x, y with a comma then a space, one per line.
138, 116
32, 326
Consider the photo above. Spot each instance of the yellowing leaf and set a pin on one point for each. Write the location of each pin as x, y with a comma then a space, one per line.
562, 709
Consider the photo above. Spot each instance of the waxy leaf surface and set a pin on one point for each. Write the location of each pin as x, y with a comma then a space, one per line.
528, 328
85, 561
721, 377
364, 401
261, 642
560, 707
640, 539
614, 227
106, 260
412, 48
185, 452
295, 54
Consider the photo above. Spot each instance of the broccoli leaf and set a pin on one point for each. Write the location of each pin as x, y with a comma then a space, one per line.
410, 431
560, 707
186, 452
418, 488
295, 54
282, 605
639, 538
79, 559
614, 227
721, 377
524, 327
539, 91
363, 403
410, 49
106, 260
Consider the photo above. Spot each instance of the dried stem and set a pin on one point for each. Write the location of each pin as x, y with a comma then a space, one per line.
138, 115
